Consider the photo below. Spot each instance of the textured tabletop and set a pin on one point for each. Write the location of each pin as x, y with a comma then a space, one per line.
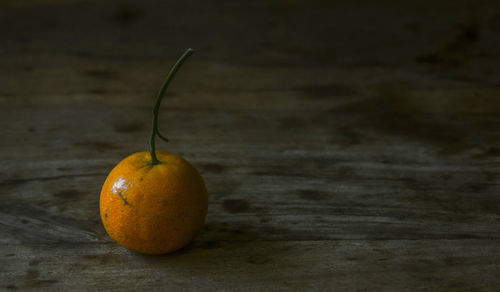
345, 145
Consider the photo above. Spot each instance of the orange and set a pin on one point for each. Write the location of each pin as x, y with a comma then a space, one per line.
153, 209
154, 202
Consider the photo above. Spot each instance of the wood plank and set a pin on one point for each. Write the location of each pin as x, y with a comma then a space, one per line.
347, 265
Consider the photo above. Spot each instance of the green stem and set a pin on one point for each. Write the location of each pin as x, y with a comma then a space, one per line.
159, 97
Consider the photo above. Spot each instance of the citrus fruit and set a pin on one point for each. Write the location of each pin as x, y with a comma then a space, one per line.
154, 202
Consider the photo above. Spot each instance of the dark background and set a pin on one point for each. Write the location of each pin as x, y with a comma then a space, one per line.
345, 144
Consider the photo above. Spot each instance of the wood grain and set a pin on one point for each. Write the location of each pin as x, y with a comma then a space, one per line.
259, 265
345, 146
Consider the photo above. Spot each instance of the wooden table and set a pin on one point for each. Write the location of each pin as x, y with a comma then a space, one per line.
345, 146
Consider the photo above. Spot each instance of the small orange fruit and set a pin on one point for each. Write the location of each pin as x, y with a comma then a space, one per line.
154, 202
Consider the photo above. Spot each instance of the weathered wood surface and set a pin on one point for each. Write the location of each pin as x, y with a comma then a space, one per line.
344, 146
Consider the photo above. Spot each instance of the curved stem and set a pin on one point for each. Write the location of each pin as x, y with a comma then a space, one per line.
161, 136
159, 97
